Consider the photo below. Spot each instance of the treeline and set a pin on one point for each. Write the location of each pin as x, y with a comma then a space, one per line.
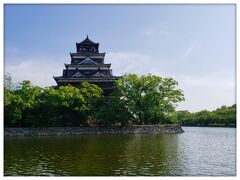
224, 116
137, 100
32, 106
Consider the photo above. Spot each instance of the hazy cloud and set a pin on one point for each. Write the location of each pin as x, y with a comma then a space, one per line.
190, 50
157, 32
39, 71
207, 91
210, 90
124, 62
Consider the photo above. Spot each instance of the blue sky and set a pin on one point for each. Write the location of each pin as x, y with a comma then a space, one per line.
195, 44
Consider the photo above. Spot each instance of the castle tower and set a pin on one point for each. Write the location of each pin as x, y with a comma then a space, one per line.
87, 65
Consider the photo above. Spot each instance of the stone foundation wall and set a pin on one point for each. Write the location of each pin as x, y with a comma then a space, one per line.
59, 131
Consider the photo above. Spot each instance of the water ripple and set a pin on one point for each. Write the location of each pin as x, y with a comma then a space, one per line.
198, 151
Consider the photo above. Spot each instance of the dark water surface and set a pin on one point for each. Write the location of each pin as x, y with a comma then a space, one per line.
199, 151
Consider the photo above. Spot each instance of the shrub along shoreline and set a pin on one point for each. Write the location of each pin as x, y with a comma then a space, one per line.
224, 116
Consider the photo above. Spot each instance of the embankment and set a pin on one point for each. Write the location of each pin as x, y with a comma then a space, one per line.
59, 131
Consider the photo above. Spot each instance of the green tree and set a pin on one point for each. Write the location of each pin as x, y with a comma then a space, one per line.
30, 98
93, 96
12, 103
224, 116
149, 98
184, 117
68, 105
112, 111
61, 106
28, 105
12, 109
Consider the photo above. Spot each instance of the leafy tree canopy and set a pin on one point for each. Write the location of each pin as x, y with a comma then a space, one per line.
149, 97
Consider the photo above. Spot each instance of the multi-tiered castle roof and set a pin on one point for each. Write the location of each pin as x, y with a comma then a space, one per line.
87, 65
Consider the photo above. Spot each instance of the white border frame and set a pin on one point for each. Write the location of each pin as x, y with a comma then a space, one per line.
117, 2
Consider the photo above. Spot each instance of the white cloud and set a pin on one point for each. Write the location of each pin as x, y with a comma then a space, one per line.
208, 81
157, 32
188, 52
39, 71
207, 91
125, 62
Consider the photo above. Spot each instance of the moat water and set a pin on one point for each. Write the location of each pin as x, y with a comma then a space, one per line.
199, 151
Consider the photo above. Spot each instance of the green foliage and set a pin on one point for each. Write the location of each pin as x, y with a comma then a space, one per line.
150, 98
137, 100
12, 108
224, 116
58, 106
113, 112
29, 105
12, 103
70, 106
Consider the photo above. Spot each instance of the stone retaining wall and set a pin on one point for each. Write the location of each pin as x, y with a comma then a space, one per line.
53, 131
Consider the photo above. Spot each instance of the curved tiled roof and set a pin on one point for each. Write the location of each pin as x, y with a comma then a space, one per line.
87, 41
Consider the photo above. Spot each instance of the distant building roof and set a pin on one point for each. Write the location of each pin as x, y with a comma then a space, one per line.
87, 41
